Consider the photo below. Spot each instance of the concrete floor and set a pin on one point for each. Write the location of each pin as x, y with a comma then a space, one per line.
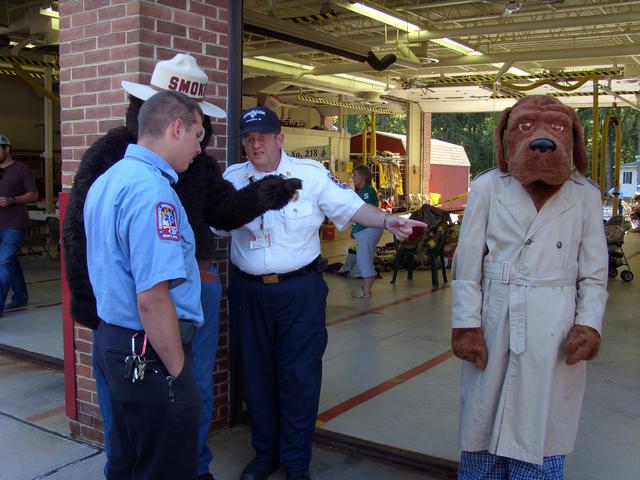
389, 380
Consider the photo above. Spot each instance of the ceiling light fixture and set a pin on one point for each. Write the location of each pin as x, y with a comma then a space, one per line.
284, 62
455, 46
377, 13
28, 45
362, 79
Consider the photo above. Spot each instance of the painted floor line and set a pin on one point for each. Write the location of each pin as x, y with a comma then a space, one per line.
385, 306
33, 307
45, 280
38, 417
367, 395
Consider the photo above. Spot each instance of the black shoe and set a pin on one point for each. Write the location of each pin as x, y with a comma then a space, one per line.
258, 470
298, 475
13, 305
206, 476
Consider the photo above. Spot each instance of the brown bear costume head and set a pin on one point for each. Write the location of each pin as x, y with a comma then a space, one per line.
538, 141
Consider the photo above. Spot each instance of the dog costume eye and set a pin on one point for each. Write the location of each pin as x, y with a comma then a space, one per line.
524, 126
557, 127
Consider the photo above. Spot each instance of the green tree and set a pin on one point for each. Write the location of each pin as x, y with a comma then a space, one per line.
384, 123
474, 131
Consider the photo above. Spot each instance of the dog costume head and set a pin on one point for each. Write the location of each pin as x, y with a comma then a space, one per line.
539, 141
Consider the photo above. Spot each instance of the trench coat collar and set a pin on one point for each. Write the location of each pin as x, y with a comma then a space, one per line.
518, 203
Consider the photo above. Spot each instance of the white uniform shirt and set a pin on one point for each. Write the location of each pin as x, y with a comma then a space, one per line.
293, 239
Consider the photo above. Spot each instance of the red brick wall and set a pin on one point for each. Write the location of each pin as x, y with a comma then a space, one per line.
426, 152
103, 42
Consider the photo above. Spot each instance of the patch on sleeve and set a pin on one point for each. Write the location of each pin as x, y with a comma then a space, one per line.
333, 178
166, 222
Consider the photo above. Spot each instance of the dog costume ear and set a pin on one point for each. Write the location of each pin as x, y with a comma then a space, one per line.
580, 159
499, 140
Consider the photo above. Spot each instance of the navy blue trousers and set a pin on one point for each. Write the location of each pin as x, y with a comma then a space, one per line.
280, 335
154, 434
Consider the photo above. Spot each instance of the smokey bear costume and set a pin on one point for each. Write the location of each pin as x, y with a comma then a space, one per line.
528, 295
208, 201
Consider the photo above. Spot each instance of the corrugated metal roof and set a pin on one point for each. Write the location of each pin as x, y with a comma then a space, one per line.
443, 153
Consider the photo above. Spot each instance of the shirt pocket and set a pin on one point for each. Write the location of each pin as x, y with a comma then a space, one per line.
297, 210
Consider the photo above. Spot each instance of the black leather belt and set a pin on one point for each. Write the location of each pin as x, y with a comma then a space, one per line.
277, 277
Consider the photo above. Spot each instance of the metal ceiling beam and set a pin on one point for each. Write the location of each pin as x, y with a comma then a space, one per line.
608, 53
519, 27
301, 35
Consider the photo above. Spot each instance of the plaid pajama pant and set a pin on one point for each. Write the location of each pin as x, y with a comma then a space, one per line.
486, 466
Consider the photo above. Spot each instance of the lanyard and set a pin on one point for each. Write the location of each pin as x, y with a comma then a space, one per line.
251, 180
133, 344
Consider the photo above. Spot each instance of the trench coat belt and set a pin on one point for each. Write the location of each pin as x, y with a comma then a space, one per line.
508, 275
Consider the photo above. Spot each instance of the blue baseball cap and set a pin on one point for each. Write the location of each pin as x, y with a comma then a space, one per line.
259, 119
4, 140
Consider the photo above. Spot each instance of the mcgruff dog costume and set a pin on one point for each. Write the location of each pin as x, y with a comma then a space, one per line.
528, 292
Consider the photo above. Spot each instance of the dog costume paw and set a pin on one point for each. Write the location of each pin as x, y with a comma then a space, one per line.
582, 343
468, 344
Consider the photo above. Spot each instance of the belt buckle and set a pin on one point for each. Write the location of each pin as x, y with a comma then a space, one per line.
270, 278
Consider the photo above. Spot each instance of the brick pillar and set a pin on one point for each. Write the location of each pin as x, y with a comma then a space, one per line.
102, 43
426, 152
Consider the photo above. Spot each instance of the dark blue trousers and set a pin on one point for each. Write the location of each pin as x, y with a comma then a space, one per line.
280, 334
154, 434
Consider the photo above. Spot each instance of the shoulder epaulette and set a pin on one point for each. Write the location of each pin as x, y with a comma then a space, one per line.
485, 171
307, 161
592, 182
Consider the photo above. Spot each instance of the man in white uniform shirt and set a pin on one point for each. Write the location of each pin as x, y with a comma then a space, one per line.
277, 296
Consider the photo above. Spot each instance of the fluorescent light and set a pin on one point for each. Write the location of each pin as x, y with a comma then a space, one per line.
29, 45
284, 62
380, 16
49, 12
362, 79
517, 71
455, 46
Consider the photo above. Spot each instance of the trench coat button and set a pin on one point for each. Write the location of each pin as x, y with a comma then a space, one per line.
559, 244
528, 242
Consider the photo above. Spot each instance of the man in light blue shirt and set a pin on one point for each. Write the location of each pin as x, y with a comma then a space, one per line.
143, 271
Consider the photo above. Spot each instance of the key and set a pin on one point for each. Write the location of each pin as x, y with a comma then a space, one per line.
129, 363
141, 368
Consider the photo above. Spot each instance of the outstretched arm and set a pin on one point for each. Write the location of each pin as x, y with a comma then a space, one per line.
228, 208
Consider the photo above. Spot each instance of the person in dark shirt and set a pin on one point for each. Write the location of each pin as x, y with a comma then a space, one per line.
17, 188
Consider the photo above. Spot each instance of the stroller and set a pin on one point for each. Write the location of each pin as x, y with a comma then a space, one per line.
615, 229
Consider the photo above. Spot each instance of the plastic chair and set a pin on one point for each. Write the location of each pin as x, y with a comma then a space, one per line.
406, 252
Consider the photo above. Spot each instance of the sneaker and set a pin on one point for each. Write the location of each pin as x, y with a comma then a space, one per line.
359, 294
14, 305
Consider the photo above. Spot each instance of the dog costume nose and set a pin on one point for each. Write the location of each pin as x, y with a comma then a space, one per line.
542, 144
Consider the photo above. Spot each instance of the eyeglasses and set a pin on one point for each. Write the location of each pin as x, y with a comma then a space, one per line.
261, 139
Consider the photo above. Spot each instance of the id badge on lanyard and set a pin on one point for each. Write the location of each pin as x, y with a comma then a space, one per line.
262, 239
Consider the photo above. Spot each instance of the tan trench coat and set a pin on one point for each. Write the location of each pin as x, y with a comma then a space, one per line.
526, 278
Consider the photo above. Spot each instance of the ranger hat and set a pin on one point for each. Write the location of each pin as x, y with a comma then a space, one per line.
4, 140
259, 119
182, 74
